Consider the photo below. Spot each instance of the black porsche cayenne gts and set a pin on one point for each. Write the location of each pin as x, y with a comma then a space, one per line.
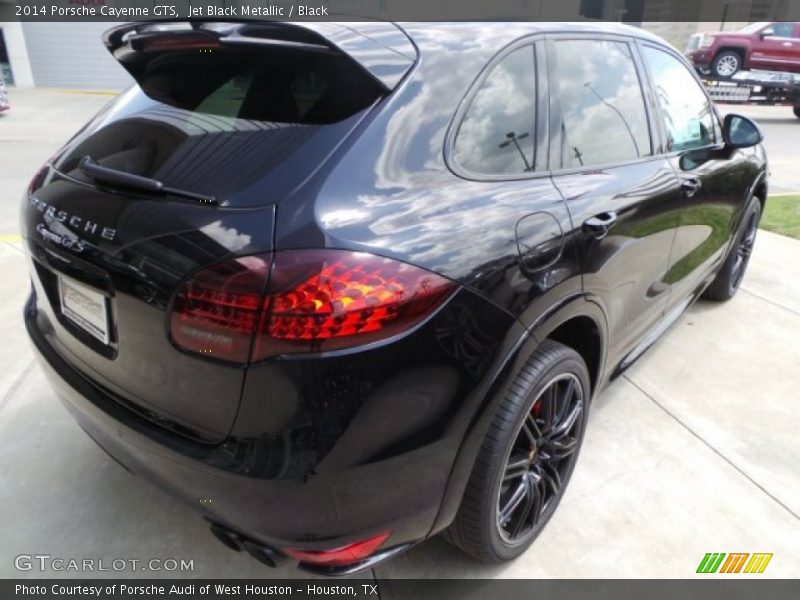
342, 287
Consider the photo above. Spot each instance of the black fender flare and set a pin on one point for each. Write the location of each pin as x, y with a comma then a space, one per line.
529, 340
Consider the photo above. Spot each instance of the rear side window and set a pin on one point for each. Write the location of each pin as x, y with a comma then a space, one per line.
603, 111
686, 111
496, 136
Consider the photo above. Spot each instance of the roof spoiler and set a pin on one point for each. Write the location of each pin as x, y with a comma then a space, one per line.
380, 48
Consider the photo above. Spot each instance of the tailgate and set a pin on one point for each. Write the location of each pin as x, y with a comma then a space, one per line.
104, 268
183, 171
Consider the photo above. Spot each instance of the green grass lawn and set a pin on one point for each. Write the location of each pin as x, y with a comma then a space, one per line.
783, 215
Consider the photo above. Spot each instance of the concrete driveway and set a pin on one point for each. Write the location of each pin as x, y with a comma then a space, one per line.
694, 450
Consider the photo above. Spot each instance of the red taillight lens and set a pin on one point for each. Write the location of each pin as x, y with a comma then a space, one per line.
178, 41
316, 300
38, 179
218, 309
344, 555
331, 299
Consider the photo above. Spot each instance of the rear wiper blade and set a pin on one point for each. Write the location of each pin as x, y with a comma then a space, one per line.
122, 179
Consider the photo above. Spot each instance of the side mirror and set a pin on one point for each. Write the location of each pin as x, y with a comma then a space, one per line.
740, 132
766, 33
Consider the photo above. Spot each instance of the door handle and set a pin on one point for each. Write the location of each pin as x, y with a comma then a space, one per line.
599, 225
787, 44
690, 186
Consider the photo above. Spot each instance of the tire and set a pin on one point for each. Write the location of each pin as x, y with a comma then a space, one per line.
731, 274
796, 110
726, 64
478, 528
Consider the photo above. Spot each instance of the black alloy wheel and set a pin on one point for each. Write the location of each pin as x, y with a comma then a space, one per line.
527, 456
744, 249
541, 458
731, 273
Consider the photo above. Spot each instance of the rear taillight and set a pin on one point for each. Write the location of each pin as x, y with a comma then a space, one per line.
217, 310
38, 179
344, 555
331, 299
316, 300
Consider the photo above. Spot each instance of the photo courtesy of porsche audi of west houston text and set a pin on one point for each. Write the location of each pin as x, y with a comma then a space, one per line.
150, 590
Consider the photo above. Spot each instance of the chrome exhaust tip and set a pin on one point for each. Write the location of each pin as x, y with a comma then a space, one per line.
237, 542
230, 538
263, 554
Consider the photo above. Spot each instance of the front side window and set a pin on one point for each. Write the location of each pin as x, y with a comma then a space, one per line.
603, 111
783, 29
686, 110
497, 134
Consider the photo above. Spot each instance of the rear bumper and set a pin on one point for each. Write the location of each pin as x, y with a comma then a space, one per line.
272, 513
325, 451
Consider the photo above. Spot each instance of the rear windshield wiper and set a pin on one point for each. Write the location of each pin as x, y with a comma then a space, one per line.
122, 179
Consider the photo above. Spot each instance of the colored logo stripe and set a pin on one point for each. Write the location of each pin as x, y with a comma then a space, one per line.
758, 563
733, 564
710, 562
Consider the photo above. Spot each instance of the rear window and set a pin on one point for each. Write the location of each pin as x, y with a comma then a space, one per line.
244, 126
276, 85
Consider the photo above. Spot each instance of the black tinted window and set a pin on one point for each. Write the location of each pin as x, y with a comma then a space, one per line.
497, 133
229, 124
604, 118
266, 85
687, 115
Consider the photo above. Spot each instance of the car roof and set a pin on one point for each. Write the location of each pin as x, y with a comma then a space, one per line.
471, 45
507, 31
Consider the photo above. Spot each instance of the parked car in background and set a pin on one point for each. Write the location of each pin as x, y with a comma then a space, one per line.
769, 46
4, 103
354, 287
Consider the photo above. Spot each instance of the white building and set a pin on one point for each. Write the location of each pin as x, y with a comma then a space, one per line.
64, 55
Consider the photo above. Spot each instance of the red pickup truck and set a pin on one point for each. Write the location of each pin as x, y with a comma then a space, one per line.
766, 46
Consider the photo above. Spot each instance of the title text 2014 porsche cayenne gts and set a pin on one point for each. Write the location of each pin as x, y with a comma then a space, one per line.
344, 287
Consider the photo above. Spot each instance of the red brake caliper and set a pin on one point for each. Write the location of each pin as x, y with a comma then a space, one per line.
536, 409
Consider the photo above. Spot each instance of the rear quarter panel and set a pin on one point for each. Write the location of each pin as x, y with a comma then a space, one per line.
389, 191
